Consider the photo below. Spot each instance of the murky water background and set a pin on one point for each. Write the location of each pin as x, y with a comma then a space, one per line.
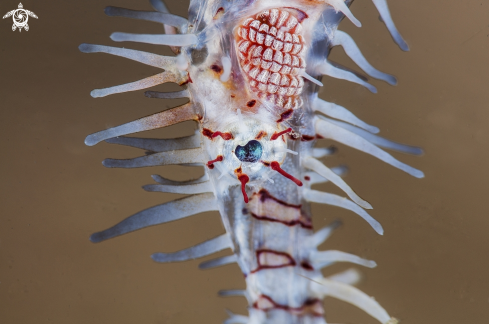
432, 261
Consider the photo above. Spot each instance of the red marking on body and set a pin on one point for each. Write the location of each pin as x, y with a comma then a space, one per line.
276, 166
210, 134
285, 115
207, 133
260, 135
265, 207
307, 178
219, 13
277, 135
306, 138
216, 68
264, 195
319, 136
210, 164
189, 80
310, 307
232, 96
270, 259
243, 178
251, 103
307, 265
225, 136
307, 225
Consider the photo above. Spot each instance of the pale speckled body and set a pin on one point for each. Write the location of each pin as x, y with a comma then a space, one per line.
258, 153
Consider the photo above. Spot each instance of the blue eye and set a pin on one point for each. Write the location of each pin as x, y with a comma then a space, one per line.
251, 152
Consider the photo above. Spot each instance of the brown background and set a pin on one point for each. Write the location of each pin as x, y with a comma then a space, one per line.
433, 258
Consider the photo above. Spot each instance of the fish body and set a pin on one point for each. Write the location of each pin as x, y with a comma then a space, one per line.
252, 71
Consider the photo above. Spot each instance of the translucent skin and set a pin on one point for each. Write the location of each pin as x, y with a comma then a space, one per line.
262, 190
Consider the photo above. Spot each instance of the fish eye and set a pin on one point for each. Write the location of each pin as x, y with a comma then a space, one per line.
251, 152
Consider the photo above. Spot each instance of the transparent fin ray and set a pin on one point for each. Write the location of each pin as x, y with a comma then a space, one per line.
165, 181
195, 155
145, 83
334, 200
159, 61
352, 50
156, 39
319, 152
333, 256
165, 118
167, 95
339, 5
160, 214
185, 189
158, 145
208, 247
315, 165
334, 132
377, 140
349, 277
311, 78
383, 9
324, 233
159, 17
355, 297
328, 69
160, 6
314, 178
341, 113
218, 262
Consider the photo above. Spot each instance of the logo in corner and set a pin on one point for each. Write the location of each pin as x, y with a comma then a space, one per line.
20, 17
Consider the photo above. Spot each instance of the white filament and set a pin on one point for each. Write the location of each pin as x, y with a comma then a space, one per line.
171, 40
339, 5
159, 61
319, 152
338, 256
352, 50
386, 17
148, 82
341, 113
321, 169
328, 69
334, 200
226, 65
323, 234
349, 277
283, 149
310, 78
189, 156
184, 189
337, 133
208, 247
352, 295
